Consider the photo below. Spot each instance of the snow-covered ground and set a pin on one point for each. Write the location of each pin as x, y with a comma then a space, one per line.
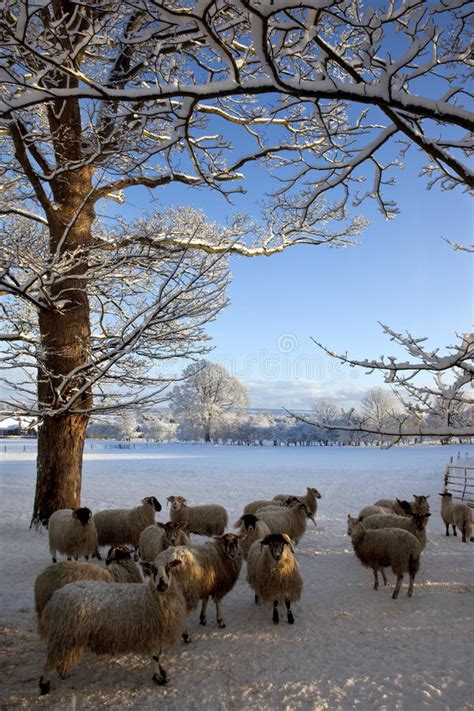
350, 647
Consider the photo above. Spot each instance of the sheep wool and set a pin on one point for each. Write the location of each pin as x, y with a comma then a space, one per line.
123, 526
381, 548
415, 523
420, 504
207, 571
253, 529
286, 520
459, 515
72, 533
310, 499
253, 506
206, 520
113, 619
160, 536
273, 573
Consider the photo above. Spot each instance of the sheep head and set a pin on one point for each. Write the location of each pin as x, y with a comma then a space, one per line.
83, 515
160, 573
230, 543
152, 500
276, 543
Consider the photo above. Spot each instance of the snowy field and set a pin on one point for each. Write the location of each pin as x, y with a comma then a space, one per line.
350, 647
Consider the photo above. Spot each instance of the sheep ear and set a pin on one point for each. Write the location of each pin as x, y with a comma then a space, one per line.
427, 515
170, 499
148, 568
238, 523
173, 564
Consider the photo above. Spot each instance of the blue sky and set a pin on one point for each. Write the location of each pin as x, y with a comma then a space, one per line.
402, 273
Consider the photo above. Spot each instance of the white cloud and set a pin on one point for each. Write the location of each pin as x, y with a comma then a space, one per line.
300, 393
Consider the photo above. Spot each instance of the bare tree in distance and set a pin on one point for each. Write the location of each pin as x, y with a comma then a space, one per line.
442, 410
206, 395
100, 98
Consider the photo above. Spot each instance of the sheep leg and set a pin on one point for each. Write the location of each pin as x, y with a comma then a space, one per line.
376, 579
384, 577
202, 616
276, 617
454, 530
464, 540
397, 587
447, 529
410, 586
220, 621
289, 613
45, 679
186, 637
256, 599
159, 674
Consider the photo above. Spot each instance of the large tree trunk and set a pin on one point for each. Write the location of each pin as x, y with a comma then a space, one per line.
64, 327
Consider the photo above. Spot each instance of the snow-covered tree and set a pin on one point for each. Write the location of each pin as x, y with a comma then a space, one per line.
439, 410
208, 391
101, 97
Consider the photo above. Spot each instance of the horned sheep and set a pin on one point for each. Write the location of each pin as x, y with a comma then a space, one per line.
120, 569
72, 533
206, 520
160, 536
273, 573
113, 619
378, 549
254, 530
459, 515
286, 520
123, 526
210, 570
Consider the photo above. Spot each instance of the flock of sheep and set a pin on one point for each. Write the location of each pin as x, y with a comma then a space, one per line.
78, 608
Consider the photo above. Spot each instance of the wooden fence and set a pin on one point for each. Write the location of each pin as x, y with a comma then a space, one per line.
459, 481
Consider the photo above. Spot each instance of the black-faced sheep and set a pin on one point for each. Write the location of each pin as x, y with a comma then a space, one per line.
379, 549
72, 533
273, 573
206, 520
120, 569
123, 526
420, 504
456, 514
113, 619
253, 529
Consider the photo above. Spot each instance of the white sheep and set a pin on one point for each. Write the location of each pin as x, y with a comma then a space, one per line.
72, 533
207, 571
120, 569
414, 523
254, 530
459, 515
310, 499
380, 548
273, 573
160, 536
123, 526
286, 520
113, 619
206, 520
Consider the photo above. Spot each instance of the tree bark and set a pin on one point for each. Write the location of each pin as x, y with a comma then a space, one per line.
59, 465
